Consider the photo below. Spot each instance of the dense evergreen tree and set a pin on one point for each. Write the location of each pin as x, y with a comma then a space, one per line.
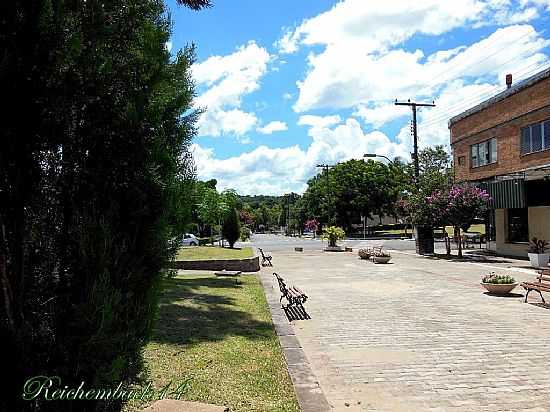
231, 229
93, 172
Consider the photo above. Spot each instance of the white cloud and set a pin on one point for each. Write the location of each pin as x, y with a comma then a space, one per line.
318, 121
233, 121
271, 127
381, 113
281, 170
168, 46
287, 96
341, 77
228, 79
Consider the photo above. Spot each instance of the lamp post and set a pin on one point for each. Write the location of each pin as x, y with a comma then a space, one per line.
377, 155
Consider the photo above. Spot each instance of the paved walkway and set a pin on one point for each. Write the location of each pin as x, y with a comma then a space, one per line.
418, 335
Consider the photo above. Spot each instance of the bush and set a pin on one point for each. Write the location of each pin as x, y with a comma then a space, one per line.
498, 279
231, 229
246, 233
333, 234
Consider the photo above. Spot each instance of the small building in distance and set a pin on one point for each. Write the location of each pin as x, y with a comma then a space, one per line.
503, 145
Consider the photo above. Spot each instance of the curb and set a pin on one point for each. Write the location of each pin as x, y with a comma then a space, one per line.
306, 386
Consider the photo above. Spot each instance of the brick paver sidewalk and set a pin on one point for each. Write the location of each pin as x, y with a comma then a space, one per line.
418, 335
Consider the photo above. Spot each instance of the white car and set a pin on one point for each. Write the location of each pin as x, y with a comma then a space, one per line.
189, 240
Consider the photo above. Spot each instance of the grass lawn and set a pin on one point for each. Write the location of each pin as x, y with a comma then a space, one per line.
213, 252
220, 335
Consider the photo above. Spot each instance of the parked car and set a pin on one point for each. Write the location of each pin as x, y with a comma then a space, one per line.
189, 240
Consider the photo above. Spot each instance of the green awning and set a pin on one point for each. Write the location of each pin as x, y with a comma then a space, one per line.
506, 194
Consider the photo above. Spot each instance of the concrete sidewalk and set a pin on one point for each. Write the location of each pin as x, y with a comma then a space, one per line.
418, 334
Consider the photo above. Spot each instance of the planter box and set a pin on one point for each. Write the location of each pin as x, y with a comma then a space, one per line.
499, 288
298, 249
539, 260
381, 259
349, 249
244, 265
334, 249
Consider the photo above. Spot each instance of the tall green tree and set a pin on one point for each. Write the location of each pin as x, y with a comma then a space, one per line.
232, 227
93, 163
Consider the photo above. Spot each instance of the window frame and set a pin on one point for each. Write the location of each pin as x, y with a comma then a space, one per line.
544, 137
490, 149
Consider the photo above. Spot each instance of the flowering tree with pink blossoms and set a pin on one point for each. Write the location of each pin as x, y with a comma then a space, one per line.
457, 207
312, 224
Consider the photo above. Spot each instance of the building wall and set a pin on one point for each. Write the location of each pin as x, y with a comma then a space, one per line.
504, 121
539, 226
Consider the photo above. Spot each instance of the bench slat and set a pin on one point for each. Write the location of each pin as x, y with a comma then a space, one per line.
536, 286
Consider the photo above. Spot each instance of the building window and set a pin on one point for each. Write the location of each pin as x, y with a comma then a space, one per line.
461, 160
518, 225
535, 137
484, 153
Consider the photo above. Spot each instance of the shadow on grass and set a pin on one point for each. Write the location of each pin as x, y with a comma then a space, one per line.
189, 316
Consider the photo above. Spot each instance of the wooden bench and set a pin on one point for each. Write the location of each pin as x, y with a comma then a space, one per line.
292, 294
266, 259
541, 284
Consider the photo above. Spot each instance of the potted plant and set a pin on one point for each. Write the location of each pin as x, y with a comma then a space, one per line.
333, 234
498, 284
364, 253
381, 257
536, 254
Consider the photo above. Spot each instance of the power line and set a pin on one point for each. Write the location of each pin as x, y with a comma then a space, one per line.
477, 62
490, 91
478, 98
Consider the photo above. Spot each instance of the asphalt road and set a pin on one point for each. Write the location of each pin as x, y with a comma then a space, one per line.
270, 242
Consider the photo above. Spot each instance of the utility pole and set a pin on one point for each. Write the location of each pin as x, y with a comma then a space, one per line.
413, 106
326, 168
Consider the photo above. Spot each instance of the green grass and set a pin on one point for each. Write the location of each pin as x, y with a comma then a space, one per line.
213, 252
220, 335
479, 228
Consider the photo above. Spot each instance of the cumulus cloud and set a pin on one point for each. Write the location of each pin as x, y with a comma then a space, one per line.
226, 79
341, 77
281, 170
272, 127
318, 121
360, 65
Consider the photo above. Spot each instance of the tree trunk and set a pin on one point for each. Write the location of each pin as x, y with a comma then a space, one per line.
459, 242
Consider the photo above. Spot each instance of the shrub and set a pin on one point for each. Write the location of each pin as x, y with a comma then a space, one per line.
498, 279
231, 229
333, 234
246, 233
538, 246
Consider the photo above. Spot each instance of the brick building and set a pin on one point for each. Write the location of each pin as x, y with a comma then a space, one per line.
503, 145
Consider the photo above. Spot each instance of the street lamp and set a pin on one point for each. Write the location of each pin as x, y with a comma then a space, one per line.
376, 155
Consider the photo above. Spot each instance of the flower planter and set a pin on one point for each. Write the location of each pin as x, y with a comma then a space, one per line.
334, 249
499, 288
381, 259
539, 260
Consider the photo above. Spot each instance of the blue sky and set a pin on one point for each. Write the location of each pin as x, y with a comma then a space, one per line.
290, 84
